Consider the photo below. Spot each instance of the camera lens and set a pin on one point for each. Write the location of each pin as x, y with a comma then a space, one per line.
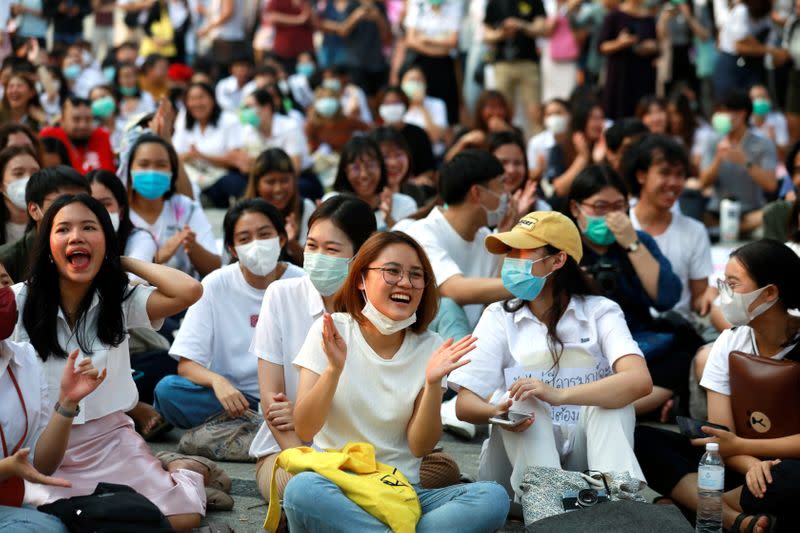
587, 497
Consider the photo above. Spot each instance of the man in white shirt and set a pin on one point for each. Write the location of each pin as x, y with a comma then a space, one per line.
471, 186
230, 90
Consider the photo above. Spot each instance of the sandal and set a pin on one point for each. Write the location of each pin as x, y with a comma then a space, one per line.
217, 478
216, 500
737, 524
155, 426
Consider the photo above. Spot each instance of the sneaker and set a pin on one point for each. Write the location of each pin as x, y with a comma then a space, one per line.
452, 424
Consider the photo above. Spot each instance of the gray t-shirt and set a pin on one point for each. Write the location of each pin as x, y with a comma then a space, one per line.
734, 180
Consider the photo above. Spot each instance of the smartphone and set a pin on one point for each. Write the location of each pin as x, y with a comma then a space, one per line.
690, 427
510, 419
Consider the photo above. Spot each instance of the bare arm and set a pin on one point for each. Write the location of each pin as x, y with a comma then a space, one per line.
631, 380
175, 291
466, 291
314, 398
270, 385
204, 261
425, 427
721, 412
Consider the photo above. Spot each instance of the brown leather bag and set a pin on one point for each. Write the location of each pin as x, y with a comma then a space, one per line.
765, 395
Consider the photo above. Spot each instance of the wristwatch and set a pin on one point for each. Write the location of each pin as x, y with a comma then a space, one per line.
66, 413
632, 247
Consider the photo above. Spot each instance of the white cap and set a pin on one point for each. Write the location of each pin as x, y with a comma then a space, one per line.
712, 447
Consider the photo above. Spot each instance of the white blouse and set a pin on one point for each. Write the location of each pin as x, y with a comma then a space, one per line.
118, 391
21, 359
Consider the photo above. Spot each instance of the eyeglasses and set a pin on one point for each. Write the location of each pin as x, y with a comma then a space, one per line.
358, 168
726, 287
603, 208
393, 275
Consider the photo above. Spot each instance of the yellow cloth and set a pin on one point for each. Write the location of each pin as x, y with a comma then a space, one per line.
379, 489
160, 29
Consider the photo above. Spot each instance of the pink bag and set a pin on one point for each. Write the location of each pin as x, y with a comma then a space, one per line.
563, 45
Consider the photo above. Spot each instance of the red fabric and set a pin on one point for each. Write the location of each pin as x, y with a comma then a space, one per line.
8, 312
179, 72
290, 41
12, 491
96, 154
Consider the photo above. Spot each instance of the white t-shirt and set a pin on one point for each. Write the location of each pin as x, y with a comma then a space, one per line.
217, 330
450, 255
22, 359
287, 313
179, 210
229, 94
595, 336
539, 147
375, 397
435, 23
437, 109
776, 122
686, 244
215, 140
716, 376
739, 26
117, 392
285, 134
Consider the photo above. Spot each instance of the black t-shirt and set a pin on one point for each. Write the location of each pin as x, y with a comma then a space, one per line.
364, 47
520, 46
421, 149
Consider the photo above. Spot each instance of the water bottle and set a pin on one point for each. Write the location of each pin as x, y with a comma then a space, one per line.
710, 485
730, 213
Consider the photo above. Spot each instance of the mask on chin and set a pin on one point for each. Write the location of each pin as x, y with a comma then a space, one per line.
384, 324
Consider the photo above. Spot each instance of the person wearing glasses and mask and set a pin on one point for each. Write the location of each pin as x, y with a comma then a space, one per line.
376, 350
553, 332
628, 267
762, 475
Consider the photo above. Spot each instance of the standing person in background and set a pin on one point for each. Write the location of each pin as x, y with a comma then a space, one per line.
431, 44
329, 20
103, 31
366, 31
791, 43
67, 17
224, 27
293, 30
33, 22
628, 39
511, 27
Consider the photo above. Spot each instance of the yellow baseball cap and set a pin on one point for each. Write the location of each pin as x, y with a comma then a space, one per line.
538, 229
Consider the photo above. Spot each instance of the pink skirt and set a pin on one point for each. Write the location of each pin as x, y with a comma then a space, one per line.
109, 450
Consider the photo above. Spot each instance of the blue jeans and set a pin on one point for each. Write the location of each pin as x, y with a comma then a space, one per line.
25, 520
313, 503
451, 321
185, 404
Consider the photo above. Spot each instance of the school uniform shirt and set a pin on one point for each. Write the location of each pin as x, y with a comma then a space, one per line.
285, 134
229, 94
21, 358
179, 210
217, 329
375, 397
774, 122
716, 376
450, 255
692, 262
289, 309
117, 392
512, 345
216, 140
539, 148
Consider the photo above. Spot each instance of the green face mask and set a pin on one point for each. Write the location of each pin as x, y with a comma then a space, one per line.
248, 115
761, 107
722, 123
128, 91
597, 231
103, 107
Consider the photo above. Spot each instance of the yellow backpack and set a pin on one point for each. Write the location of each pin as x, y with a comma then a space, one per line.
379, 489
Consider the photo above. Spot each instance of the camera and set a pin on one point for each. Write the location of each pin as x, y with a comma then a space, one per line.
605, 275
583, 499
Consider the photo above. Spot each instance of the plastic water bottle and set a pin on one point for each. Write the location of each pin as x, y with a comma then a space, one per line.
710, 485
730, 214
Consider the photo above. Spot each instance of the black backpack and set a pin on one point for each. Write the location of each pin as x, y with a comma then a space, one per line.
110, 509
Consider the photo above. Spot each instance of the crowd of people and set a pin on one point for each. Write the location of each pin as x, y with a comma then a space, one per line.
436, 212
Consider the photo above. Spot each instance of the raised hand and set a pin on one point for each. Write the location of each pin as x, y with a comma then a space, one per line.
19, 466
622, 228
447, 358
78, 383
333, 344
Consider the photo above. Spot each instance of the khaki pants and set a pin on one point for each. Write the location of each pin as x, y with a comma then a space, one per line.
519, 81
437, 470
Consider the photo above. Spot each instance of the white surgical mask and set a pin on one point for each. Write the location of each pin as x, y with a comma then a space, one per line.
495, 216
392, 113
114, 220
735, 305
15, 192
384, 324
556, 124
259, 256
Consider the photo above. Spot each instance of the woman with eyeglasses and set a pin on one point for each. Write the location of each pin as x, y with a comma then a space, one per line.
557, 353
628, 267
362, 172
376, 351
762, 475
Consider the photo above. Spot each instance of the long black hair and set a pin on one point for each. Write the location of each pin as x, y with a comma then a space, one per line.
110, 181
174, 164
568, 281
39, 315
216, 110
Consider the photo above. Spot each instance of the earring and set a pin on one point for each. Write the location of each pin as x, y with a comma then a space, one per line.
51, 259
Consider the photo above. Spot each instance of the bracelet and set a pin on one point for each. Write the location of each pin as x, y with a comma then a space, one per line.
66, 413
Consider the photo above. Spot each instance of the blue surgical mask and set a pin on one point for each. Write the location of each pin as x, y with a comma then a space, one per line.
306, 69
109, 73
326, 272
518, 278
72, 72
333, 84
151, 184
327, 106
598, 231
